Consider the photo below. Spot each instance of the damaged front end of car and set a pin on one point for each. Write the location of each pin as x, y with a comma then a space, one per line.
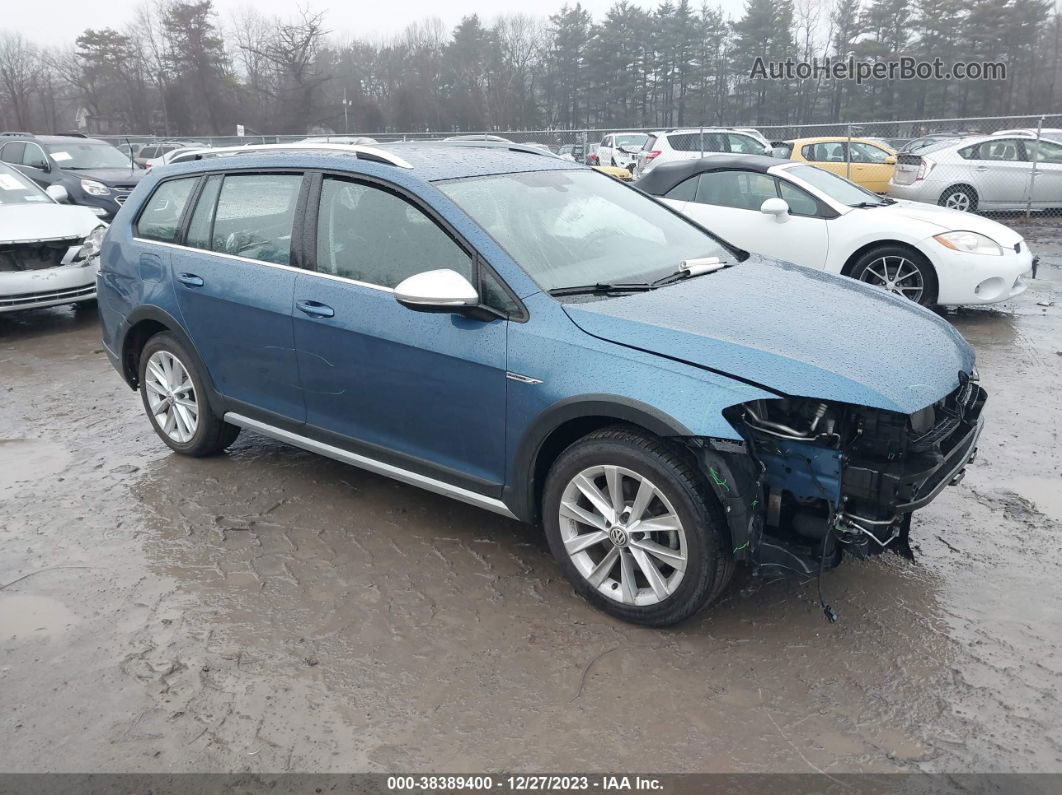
814, 479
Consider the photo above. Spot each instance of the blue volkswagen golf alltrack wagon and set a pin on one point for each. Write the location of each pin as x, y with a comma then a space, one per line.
532, 337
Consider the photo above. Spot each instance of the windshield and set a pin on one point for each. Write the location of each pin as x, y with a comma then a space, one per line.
87, 155
837, 188
631, 141
569, 228
16, 189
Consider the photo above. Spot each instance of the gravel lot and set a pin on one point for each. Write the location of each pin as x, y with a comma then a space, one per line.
270, 610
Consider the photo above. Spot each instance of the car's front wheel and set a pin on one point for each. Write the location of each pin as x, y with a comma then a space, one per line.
898, 270
175, 399
635, 528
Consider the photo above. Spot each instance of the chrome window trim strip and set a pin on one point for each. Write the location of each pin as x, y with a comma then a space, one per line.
329, 276
371, 464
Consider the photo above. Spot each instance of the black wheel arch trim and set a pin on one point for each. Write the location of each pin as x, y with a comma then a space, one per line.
520, 493
173, 326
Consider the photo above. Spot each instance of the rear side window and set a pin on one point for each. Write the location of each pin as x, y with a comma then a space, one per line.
373, 236
254, 217
824, 153
685, 191
161, 215
696, 142
203, 217
745, 190
12, 152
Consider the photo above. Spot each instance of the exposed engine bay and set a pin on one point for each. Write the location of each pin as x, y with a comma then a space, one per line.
18, 257
814, 480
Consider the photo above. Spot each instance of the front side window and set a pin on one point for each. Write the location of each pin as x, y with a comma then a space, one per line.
373, 236
17, 189
630, 141
744, 190
34, 157
254, 217
865, 153
800, 201
82, 156
161, 216
574, 227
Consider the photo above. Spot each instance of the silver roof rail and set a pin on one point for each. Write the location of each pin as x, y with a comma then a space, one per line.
361, 152
470, 144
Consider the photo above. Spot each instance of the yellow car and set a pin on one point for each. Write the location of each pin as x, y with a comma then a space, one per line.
870, 163
622, 174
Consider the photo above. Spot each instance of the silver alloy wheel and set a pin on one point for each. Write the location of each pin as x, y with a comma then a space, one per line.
171, 396
623, 535
897, 275
959, 200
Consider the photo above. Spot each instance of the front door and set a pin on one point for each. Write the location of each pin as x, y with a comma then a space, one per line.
423, 391
728, 203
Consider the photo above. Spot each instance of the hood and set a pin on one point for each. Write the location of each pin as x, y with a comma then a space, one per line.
936, 219
793, 330
111, 176
32, 223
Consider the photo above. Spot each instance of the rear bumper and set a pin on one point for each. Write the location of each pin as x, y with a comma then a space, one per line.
38, 289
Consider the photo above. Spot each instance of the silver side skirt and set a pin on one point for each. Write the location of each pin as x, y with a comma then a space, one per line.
371, 464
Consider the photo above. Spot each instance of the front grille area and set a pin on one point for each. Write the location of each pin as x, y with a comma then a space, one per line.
121, 197
71, 294
962, 404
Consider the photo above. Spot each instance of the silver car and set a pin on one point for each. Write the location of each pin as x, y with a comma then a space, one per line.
49, 252
988, 172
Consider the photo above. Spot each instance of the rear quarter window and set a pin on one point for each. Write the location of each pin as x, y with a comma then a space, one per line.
161, 216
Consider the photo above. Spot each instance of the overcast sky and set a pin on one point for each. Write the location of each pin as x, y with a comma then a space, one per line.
58, 22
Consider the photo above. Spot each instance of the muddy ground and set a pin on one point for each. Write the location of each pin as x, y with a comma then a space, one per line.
271, 610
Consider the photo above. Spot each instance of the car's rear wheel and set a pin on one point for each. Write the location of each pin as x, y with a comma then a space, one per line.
959, 197
898, 270
635, 528
174, 396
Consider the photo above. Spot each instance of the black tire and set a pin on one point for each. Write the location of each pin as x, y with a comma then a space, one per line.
212, 434
674, 473
859, 270
959, 194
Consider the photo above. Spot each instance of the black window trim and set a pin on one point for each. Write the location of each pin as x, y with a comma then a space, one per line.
480, 265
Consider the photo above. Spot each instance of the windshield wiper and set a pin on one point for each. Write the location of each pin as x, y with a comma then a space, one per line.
691, 268
602, 287
864, 205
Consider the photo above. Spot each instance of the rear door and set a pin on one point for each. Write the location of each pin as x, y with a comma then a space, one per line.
728, 203
235, 279
424, 391
1047, 182
869, 166
1000, 171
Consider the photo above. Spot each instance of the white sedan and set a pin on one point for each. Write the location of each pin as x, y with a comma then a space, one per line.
802, 214
48, 251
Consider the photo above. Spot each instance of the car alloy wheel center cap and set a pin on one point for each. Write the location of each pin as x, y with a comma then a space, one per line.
618, 536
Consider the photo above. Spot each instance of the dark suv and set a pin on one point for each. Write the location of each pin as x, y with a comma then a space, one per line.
93, 173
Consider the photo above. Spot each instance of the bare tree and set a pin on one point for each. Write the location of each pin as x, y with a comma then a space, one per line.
20, 67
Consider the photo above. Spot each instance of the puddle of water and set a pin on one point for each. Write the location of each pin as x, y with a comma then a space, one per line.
1044, 493
30, 459
37, 616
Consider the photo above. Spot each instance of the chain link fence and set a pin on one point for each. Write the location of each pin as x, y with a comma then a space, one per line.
1001, 164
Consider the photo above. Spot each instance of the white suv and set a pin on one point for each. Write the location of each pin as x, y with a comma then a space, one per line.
691, 143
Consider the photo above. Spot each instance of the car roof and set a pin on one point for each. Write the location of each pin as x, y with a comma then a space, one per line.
429, 161
667, 175
68, 139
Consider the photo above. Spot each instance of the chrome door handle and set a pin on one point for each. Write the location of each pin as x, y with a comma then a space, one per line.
314, 308
190, 279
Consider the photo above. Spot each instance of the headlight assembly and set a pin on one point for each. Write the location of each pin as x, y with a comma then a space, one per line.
93, 188
970, 242
92, 246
